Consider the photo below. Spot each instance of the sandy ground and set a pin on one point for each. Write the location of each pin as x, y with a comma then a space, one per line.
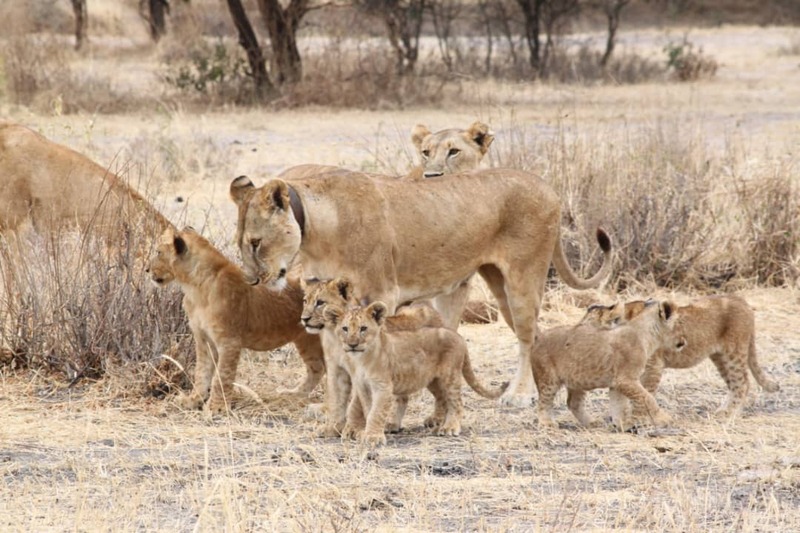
90, 458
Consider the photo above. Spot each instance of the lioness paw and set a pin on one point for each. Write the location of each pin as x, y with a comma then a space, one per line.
516, 400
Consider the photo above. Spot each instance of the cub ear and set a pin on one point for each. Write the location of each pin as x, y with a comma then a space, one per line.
345, 288
418, 134
188, 229
378, 311
481, 135
180, 245
332, 314
276, 193
241, 188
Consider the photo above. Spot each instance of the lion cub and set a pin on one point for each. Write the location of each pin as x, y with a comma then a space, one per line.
226, 314
721, 328
386, 364
318, 294
585, 357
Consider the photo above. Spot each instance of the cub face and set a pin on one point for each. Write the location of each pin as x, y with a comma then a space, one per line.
317, 295
452, 150
357, 327
611, 316
171, 248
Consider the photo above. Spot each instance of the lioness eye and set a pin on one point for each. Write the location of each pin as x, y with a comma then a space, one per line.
453, 151
426, 153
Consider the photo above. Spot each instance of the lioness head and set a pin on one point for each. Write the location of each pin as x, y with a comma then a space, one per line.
317, 295
268, 234
170, 249
452, 150
610, 316
357, 327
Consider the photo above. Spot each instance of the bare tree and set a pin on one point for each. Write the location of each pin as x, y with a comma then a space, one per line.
497, 20
443, 14
281, 24
403, 21
155, 13
81, 21
532, 16
612, 10
265, 90
548, 16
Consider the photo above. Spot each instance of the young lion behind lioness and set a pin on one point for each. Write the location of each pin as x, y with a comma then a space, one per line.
385, 365
721, 328
226, 314
586, 357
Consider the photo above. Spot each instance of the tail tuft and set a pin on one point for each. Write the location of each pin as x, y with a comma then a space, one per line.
603, 240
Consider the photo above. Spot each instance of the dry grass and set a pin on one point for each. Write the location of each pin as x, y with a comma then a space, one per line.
95, 462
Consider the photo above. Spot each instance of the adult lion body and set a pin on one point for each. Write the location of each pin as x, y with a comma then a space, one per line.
395, 364
226, 315
720, 328
400, 241
45, 186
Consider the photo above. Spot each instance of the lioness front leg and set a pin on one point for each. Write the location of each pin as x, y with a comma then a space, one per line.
221, 397
203, 373
376, 417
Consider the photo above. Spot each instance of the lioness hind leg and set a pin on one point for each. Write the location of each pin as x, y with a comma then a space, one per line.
643, 401
734, 372
310, 351
451, 306
576, 405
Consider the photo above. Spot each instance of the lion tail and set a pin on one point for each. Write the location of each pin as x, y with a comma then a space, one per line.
472, 381
766, 383
568, 275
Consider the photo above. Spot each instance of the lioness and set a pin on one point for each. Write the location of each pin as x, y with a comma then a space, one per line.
721, 328
585, 357
44, 185
387, 365
227, 314
452, 150
318, 294
400, 241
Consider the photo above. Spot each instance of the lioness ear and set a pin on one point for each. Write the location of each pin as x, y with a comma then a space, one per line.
277, 191
180, 245
481, 135
240, 187
418, 134
345, 288
332, 314
378, 311
667, 310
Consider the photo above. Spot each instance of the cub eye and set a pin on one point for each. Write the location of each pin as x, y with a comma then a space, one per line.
453, 151
345, 329
363, 329
426, 153
319, 303
255, 243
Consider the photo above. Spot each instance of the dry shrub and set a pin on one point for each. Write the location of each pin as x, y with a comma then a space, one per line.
38, 74
583, 67
681, 216
684, 63
76, 303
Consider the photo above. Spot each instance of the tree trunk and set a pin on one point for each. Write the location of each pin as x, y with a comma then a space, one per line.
265, 90
282, 26
157, 11
532, 15
613, 10
81, 20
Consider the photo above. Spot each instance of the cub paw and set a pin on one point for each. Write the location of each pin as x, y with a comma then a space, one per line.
516, 400
189, 402
373, 439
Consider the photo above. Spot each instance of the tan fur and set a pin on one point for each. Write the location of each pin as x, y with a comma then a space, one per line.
401, 241
394, 364
318, 294
226, 315
608, 316
44, 186
450, 151
585, 357
721, 328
